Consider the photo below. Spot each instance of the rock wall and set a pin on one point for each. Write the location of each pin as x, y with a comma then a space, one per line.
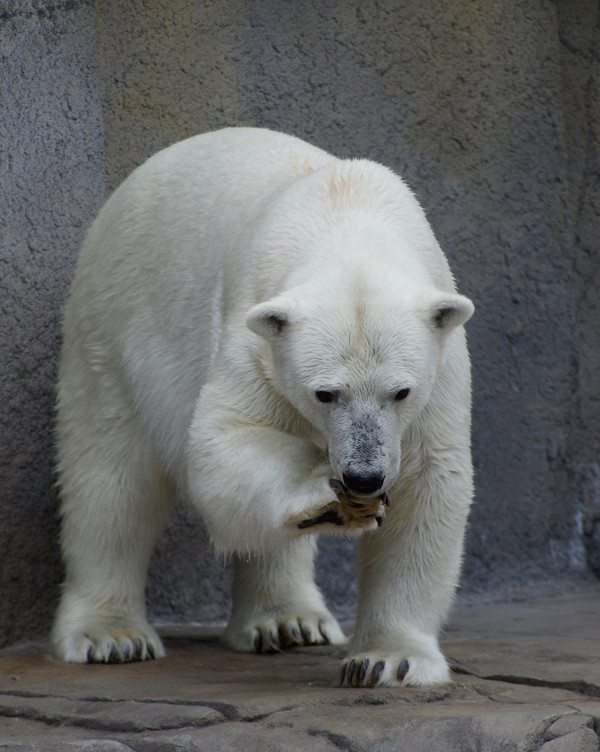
52, 181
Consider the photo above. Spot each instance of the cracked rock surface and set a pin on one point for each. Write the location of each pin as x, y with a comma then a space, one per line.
526, 678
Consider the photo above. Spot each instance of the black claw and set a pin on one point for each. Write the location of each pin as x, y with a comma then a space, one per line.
305, 634
257, 644
362, 671
343, 674
112, 655
151, 651
323, 633
377, 671
296, 635
274, 644
402, 670
351, 670
385, 498
379, 520
127, 652
330, 515
89, 656
337, 486
138, 647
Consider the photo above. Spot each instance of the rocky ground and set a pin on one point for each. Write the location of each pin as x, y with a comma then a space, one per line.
526, 677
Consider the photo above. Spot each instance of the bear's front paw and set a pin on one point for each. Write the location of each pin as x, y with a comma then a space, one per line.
274, 633
106, 641
349, 513
359, 511
393, 670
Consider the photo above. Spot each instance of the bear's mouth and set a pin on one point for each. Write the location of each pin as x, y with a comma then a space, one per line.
339, 487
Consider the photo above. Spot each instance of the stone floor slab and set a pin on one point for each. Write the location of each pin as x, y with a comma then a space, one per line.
527, 678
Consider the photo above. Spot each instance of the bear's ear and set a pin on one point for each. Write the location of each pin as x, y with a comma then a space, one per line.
451, 310
269, 319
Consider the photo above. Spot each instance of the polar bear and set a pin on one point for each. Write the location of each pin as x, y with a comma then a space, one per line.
276, 333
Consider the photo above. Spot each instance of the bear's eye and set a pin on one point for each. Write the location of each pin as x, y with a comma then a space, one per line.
323, 396
402, 394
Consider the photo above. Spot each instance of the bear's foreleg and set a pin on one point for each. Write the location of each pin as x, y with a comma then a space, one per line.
114, 504
408, 573
258, 487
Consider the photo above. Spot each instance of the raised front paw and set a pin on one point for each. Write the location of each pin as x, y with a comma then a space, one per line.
393, 670
349, 512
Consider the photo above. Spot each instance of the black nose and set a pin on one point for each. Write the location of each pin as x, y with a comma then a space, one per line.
365, 483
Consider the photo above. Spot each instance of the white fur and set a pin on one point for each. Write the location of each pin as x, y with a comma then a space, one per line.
226, 282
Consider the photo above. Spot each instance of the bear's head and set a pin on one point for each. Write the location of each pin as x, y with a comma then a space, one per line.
358, 356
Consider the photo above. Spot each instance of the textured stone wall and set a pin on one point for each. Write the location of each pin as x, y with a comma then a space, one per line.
489, 110
580, 58
52, 181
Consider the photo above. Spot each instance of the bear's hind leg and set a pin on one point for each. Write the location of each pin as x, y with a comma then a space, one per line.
114, 504
276, 603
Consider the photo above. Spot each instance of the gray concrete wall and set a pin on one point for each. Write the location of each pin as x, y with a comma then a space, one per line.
489, 110
52, 180
580, 58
